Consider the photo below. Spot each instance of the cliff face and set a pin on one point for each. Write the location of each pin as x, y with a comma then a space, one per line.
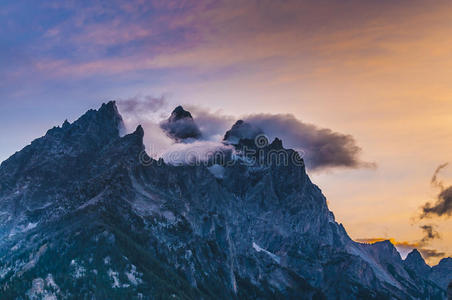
84, 212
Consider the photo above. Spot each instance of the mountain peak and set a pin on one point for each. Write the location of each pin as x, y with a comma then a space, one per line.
85, 185
241, 130
415, 257
414, 254
104, 123
180, 125
447, 261
415, 262
139, 131
180, 113
109, 106
101, 126
276, 144
386, 249
66, 124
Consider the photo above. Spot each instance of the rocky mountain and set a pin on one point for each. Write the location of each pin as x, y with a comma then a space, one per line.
415, 262
86, 214
442, 273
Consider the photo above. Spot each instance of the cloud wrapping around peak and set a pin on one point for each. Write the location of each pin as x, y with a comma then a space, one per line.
194, 153
180, 126
242, 130
147, 111
322, 148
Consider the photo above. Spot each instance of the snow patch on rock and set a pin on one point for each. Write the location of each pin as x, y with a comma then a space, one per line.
43, 289
276, 258
114, 276
134, 276
78, 271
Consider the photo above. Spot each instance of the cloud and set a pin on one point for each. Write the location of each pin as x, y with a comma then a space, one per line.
429, 253
194, 153
162, 138
323, 148
441, 207
430, 233
443, 204
180, 126
181, 130
138, 105
146, 111
434, 180
213, 124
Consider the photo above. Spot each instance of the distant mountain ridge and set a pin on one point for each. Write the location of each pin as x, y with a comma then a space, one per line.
81, 217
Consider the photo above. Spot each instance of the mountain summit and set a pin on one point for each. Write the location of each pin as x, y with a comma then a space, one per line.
415, 261
180, 126
81, 217
179, 113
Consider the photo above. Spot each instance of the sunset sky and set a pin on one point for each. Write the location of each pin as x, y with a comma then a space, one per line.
379, 71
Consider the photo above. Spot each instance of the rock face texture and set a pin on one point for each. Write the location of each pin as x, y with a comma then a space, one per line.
82, 217
442, 273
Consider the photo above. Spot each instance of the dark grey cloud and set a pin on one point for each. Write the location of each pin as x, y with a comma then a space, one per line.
322, 148
428, 253
139, 105
180, 126
442, 206
430, 233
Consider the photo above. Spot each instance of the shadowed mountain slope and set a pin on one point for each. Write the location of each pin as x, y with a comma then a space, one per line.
82, 216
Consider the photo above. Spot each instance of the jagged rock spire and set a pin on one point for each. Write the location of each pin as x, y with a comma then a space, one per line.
415, 262
179, 113
180, 126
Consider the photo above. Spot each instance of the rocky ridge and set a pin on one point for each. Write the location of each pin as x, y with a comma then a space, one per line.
81, 216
